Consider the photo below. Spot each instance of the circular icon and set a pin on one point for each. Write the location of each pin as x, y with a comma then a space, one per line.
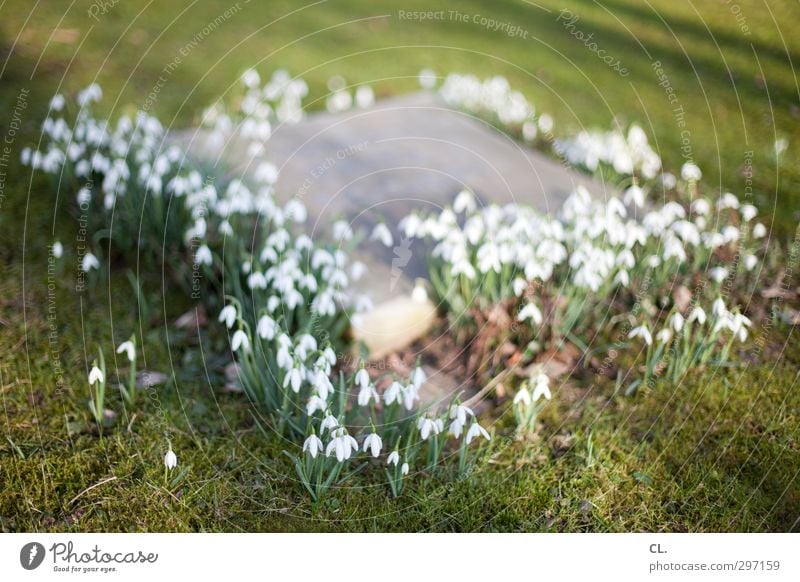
31, 555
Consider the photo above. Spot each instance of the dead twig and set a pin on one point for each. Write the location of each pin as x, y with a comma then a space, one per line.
103, 482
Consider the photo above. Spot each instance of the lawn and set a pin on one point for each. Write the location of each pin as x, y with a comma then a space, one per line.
719, 452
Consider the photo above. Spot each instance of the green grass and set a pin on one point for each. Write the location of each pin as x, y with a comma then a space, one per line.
738, 92
720, 452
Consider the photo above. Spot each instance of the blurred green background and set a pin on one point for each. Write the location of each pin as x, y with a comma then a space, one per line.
729, 63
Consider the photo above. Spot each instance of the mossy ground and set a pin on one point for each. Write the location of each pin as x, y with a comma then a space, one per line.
719, 452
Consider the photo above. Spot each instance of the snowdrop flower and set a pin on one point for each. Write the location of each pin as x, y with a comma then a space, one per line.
519, 285
464, 202
427, 79
780, 145
410, 395
266, 327
718, 308
545, 123
542, 387
643, 333
251, 79
455, 428
522, 397
750, 261
374, 443
315, 403
759, 230
739, 326
170, 460
367, 393
312, 445
404, 469
690, 172
362, 378
428, 425
676, 321
89, 262
418, 377
57, 249
382, 233
240, 340
328, 423
228, 315
294, 379
95, 376
698, 315
529, 131
727, 200
342, 444
718, 274
129, 350
634, 196
460, 413
365, 96
477, 430
342, 231
393, 458
749, 212
701, 206
393, 393
203, 256
530, 311
57, 102
622, 278
92, 93
664, 336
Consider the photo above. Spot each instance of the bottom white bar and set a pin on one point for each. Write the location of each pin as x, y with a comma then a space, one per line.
333, 557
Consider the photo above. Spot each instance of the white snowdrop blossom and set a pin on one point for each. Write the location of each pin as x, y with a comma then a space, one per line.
128, 349
698, 315
643, 333
170, 460
373, 444
342, 444
476, 430
521, 397
89, 262
228, 315
541, 387
427, 79
664, 336
382, 233
530, 311
312, 445
428, 426
240, 340
690, 172
95, 376
464, 202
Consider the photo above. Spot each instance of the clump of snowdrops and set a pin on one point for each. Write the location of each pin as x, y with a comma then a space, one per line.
494, 100
622, 157
596, 263
352, 425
